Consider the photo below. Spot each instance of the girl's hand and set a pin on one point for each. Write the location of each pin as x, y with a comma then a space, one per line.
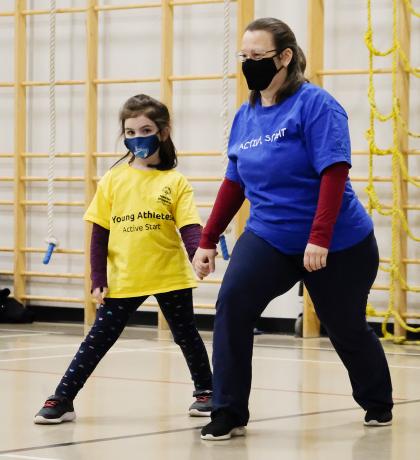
315, 257
99, 294
203, 262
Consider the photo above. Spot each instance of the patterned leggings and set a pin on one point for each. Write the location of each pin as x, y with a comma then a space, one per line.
112, 317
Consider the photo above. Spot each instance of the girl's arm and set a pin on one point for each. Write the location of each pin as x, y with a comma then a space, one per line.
98, 256
191, 235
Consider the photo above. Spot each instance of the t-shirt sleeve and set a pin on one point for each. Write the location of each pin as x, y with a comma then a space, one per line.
328, 139
232, 171
185, 211
232, 167
99, 210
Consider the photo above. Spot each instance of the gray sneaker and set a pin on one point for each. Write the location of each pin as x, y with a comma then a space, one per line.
202, 405
57, 409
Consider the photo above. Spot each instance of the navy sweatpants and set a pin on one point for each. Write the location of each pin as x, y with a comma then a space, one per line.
112, 317
257, 273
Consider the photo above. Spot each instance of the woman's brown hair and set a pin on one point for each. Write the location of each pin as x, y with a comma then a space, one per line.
283, 37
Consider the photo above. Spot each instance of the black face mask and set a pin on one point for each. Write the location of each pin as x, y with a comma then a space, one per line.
259, 74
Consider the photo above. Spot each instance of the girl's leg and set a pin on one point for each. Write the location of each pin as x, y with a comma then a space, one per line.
340, 293
257, 273
111, 318
177, 308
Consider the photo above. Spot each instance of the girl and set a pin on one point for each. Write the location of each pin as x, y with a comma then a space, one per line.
289, 154
136, 252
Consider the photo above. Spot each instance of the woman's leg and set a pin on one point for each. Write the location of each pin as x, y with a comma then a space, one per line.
339, 293
257, 273
177, 308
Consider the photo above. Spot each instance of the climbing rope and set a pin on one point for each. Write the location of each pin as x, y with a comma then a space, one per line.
225, 78
411, 9
399, 170
51, 240
225, 101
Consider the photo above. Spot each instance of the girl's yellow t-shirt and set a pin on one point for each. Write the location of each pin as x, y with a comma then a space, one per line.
143, 209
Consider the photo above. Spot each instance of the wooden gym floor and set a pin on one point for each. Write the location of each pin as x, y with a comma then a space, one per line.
135, 404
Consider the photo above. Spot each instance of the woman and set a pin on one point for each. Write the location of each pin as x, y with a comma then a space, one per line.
289, 155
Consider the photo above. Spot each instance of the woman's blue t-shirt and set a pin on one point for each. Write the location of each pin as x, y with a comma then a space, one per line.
278, 153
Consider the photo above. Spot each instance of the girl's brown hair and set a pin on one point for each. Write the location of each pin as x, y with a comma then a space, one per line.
283, 37
141, 104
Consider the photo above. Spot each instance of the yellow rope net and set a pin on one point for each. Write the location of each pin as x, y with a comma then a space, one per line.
399, 223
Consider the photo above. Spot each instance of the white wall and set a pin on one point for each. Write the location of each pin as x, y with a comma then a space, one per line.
130, 47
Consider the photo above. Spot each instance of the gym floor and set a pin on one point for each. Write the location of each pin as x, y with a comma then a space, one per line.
135, 404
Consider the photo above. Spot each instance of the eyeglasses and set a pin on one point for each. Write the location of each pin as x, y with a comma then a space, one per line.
255, 55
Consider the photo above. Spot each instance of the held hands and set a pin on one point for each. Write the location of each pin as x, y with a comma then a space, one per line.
315, 257
204, 262
99, 294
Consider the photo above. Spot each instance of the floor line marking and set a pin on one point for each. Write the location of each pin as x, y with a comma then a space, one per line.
32, 330
45, 347
125, 350
314, 361
290, 347
310, 361
37, 334
165, 349
176, 382
51, 347
25, 457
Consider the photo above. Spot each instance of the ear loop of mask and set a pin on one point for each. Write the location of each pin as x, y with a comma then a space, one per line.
282, 66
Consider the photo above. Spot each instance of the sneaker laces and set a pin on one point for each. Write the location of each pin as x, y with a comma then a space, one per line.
51, 403
203, 398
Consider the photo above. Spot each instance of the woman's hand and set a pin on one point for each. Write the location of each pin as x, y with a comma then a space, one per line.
204, 262
99, 294
315, 257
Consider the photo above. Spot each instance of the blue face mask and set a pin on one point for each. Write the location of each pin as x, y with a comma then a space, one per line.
142, 147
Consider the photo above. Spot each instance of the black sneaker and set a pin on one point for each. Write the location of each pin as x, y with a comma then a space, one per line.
378, 417
57, 409
223, 426
202, 405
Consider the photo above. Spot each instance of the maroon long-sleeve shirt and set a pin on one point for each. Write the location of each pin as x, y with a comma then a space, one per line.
231, 196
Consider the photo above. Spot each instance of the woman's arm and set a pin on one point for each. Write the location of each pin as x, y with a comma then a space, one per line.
331, 192
228, 202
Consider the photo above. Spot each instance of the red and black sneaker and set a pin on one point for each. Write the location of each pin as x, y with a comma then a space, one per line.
57, 409
202, 405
